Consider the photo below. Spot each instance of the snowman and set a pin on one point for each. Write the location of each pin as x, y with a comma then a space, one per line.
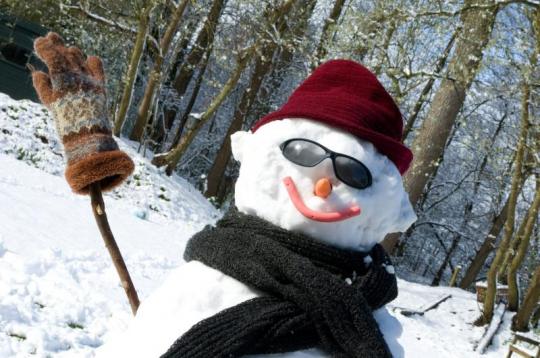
296, 268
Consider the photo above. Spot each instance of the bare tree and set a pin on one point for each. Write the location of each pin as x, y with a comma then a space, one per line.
524, 237
491, 290
520, 322
192, 98
199, 50
431, 138
131, 75
468, 207
263, 65
172, 157
429, 143
143, 112
263, 103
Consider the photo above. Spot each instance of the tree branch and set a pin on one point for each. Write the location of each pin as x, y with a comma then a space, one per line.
99, 18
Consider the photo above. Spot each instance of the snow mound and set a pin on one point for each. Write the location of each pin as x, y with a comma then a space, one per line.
59, 293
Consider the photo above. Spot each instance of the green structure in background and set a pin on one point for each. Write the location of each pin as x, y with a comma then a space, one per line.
16, 46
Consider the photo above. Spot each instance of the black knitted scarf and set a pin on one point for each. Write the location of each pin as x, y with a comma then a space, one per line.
314, 295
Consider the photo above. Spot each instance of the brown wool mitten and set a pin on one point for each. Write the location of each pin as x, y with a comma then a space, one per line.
74, 91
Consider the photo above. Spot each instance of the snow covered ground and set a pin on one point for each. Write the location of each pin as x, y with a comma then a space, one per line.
59, 294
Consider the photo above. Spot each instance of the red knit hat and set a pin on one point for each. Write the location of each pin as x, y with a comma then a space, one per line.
346, 95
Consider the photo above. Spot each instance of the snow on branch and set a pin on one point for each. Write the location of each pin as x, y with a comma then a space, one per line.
413, 14
99, 18
445, 226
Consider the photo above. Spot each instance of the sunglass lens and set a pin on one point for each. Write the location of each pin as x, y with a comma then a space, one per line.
352, 172
303, 153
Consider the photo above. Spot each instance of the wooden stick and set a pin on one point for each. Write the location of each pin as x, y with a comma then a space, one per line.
98, 208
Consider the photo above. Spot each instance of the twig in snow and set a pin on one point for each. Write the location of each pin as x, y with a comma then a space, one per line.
422, 310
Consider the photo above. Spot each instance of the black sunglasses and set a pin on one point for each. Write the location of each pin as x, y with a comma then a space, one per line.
308, 153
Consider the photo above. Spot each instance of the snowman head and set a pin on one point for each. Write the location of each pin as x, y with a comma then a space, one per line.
313, 199
329, 162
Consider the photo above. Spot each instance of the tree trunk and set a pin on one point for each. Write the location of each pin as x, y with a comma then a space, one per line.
143, 111
192, 99
524, 239
488, 244
438, 276
327, 32
491, 290
204, 39
454, 277
520, 322
535, 319
131, 75
477, 24
486, 248
428, 146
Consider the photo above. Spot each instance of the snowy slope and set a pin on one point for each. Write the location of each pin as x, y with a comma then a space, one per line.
59, 294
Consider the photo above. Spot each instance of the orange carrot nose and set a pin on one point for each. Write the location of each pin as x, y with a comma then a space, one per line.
323, 187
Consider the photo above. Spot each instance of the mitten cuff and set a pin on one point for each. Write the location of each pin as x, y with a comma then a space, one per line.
109, 168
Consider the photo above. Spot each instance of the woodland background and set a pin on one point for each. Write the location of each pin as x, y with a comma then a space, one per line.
184, 74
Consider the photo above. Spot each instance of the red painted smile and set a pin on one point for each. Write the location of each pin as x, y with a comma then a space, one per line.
316, 215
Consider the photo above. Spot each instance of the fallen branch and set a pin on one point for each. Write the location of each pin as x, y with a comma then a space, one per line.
422, 310
489, 333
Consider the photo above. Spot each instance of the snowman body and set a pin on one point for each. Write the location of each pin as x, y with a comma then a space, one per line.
195, 291
192, 293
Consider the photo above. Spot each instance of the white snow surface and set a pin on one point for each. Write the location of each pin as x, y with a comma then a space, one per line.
60, 295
